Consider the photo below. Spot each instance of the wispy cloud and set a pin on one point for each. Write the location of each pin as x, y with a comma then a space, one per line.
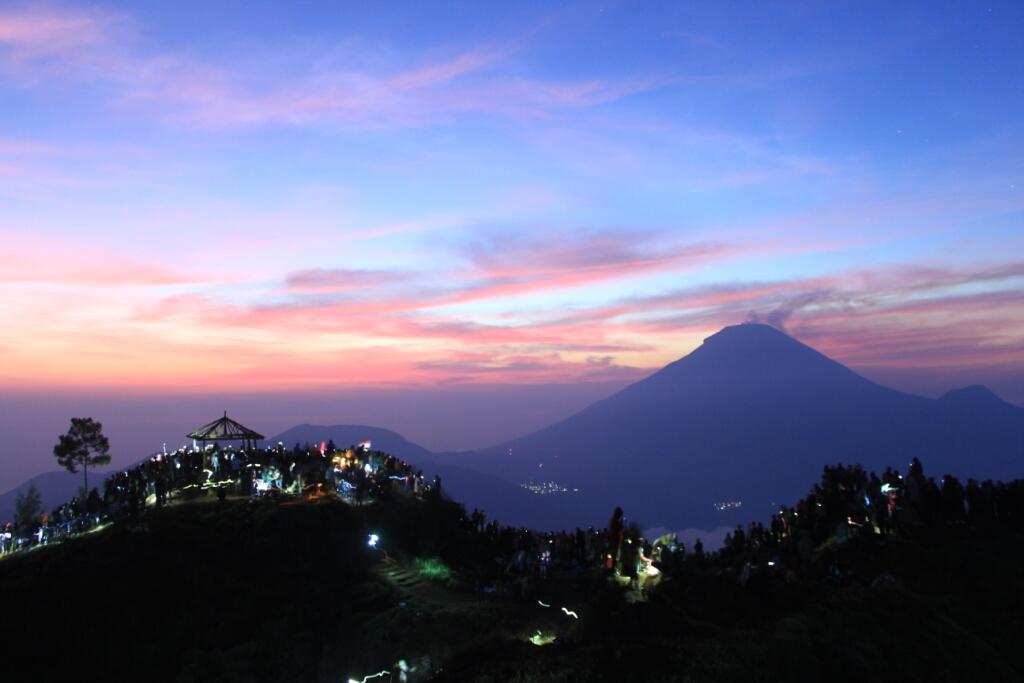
338, 280
70, 45
498, 266
32, 34
504, 265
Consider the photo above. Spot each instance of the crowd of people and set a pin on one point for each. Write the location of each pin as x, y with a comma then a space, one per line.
357, 474
517, 561
847, 503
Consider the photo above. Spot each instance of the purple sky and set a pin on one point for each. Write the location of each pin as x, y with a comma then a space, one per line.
440, 207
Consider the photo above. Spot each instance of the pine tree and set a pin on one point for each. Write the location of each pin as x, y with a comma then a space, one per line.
83, 445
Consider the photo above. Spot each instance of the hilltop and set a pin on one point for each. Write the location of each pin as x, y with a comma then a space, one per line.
719, 436
317, 589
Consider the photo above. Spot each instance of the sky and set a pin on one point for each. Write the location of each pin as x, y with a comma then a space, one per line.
499, 202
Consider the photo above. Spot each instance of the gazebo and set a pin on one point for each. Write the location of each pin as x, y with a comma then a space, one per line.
226, 429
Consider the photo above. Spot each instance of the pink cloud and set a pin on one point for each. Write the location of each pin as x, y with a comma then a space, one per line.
497, 268
113, 273
36, 259
503, 266
343, 325
336, 280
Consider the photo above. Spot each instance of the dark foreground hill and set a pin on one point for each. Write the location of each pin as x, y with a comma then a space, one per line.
264, 591
233, 591
750, 417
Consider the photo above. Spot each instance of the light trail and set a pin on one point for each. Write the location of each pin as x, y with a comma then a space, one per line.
386, 672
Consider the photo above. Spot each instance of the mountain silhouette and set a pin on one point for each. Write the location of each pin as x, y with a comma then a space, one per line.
977, 400
748, 417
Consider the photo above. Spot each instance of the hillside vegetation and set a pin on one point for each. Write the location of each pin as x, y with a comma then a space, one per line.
257, 590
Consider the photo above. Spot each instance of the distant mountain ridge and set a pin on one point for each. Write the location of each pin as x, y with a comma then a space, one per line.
345, 435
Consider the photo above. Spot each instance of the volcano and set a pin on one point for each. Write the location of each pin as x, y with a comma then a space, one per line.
740, 424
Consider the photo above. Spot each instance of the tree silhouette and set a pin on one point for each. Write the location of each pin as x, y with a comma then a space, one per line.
27, 508
83, 445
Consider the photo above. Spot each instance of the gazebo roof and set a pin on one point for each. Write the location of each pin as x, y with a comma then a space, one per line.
225, 429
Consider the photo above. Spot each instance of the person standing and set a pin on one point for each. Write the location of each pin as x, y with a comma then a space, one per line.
615, 529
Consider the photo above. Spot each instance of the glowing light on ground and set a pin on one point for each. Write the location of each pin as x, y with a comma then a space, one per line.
540, 638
